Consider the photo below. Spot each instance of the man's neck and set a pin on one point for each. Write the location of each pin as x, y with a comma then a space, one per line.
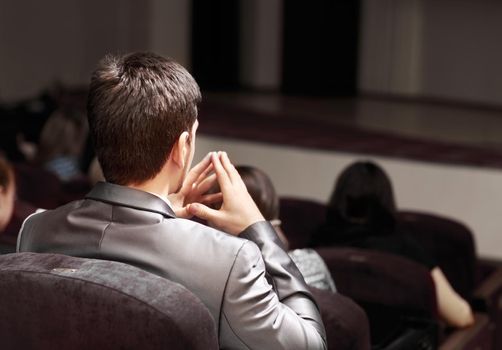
162, 184
154, 186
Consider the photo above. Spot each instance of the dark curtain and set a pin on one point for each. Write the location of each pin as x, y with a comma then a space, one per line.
215, 44
320, 47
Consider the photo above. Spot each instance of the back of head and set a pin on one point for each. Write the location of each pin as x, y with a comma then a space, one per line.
64, 134
262, 191
363, 195
138, 105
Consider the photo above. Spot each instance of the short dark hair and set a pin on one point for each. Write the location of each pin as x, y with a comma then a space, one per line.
262, 191
138, 106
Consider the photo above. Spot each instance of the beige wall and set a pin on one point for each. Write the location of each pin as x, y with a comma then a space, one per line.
31, 54
170, 29
462, 53
45, 41
442, 49
261, 44
472, 195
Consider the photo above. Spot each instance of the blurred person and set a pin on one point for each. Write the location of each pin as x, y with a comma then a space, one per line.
142, 111
310, 264
7, 192
61, 143
21, 125
361, 213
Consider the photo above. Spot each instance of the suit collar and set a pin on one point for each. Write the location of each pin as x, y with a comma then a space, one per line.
129, 197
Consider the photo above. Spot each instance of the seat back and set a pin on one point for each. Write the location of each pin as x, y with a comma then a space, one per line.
374, 277
51, 301
38, 186
345, 322
300, 219
449, 242
391, 289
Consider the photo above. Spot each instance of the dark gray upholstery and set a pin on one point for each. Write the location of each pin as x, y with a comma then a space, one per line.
375, 277
346, 322
449, 242
51, 301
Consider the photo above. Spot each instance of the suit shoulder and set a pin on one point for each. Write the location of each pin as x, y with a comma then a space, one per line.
197, 230
42, 214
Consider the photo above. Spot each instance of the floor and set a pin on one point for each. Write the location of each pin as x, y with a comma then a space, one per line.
427, 131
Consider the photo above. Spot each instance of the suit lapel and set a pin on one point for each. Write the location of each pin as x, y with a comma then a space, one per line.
129, 197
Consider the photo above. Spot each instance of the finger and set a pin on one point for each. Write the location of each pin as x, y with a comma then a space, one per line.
212, 198
221, 174
183, 213
208, 184
200, 168
203, 212
229, 168
195, 172
201, 185
205, 174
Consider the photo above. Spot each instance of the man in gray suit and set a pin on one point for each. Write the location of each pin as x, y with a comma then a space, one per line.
142, 111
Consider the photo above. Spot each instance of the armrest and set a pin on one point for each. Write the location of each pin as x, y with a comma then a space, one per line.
486, 294
477, 336
346, 322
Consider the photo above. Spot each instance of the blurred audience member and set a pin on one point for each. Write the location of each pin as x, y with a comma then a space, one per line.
61, 143
22, 123
310, 264
7, 192
362, 213
262, 191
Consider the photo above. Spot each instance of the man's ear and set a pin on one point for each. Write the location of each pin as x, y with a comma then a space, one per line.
180, 149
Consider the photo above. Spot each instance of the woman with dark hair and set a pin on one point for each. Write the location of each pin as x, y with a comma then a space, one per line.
310, 264
361, 213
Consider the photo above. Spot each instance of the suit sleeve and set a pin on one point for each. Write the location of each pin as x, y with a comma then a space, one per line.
267, 304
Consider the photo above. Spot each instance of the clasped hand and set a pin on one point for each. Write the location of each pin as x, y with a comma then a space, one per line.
238, 209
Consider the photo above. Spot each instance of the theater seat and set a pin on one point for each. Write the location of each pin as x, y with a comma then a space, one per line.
38, 186
477, 337
346, 323
8, 237
300, 219
452, 245
449, 242
399, 298
51, 301
373, 277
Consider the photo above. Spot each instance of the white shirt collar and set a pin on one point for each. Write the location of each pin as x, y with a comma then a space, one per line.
164, 199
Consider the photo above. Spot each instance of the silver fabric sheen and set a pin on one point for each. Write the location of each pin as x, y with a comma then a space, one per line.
253, 290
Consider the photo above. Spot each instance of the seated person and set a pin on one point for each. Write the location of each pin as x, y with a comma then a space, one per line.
310, 264
61, 143
362, 213
142, 112
7, 192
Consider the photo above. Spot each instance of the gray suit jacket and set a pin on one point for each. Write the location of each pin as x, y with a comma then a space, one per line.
249, 284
